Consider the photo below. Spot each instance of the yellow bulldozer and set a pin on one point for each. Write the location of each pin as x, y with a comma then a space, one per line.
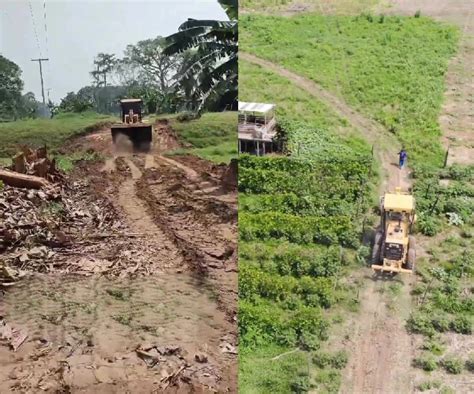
132, 126
394, 248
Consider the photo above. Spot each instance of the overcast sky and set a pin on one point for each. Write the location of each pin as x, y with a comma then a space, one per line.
79, 29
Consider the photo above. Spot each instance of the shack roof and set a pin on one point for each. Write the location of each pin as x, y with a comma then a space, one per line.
255, 107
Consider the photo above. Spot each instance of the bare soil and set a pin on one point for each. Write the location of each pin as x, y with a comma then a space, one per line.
149, 306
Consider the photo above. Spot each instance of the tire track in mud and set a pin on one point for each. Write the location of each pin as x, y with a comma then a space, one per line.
197, 225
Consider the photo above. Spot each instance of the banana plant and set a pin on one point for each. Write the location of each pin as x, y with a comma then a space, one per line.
215, 44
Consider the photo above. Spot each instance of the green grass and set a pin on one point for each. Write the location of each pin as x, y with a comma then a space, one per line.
260, 374
391, 69
50, 132
213, 136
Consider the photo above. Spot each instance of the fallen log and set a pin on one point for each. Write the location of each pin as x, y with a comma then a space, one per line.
16, 179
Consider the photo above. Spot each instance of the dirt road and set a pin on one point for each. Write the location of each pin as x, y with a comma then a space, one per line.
154, 306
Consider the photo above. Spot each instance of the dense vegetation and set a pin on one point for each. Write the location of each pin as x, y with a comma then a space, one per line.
445, 301
300, 219
391, 68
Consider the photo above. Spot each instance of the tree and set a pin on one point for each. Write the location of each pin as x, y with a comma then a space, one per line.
216, 43
29, 105
75, 103
11, 86
154, 67
104, 63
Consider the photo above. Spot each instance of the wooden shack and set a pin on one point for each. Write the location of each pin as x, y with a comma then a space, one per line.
257, 128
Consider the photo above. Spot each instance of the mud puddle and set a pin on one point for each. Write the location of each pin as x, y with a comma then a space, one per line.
84, 332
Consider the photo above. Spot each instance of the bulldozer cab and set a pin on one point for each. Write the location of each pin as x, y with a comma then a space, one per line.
394, 247
131, 110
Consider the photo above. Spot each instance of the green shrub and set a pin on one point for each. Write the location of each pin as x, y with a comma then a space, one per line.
470, 363
440, 323
429, 385
429, 225
462, 325
337, 360
452, 365
420, 323
434, 346
417, 14
187, 116
300, 385
425, 362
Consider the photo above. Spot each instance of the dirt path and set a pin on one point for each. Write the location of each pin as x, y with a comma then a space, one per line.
380, 346
167, 321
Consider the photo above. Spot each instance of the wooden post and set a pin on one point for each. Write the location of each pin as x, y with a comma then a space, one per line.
434, 205
446, 157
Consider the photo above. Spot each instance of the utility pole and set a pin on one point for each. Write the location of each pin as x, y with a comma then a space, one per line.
41, 75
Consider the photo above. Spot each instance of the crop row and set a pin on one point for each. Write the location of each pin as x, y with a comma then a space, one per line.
303, 230
354, 167
271, 181
294, 260
290, 203
261, 322
313, 291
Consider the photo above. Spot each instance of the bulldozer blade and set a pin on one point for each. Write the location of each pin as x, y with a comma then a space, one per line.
139, 134
383, 268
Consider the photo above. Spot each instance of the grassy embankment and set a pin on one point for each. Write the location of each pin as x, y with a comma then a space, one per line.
50, 132
213, 136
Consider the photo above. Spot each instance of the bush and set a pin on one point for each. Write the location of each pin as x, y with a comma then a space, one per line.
462, 325
470, 363
434, 346
300, 385
426, 362
417, 14
187, 116
452, 365
337, 360
429, 225
429, 385
420, 323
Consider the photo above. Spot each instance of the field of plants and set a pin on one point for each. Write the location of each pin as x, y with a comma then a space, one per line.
300, 220
444, 294
391, 68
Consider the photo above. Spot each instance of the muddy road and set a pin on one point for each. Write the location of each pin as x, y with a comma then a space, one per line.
145, 303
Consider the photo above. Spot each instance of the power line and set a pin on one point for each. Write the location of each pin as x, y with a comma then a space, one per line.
45, 26
34, 28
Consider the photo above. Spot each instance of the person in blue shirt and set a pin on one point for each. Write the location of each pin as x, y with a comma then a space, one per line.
402, 155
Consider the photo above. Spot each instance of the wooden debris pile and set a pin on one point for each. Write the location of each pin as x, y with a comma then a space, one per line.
38, 223
31, 169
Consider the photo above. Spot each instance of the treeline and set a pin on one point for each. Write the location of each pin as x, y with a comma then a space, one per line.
192, 70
